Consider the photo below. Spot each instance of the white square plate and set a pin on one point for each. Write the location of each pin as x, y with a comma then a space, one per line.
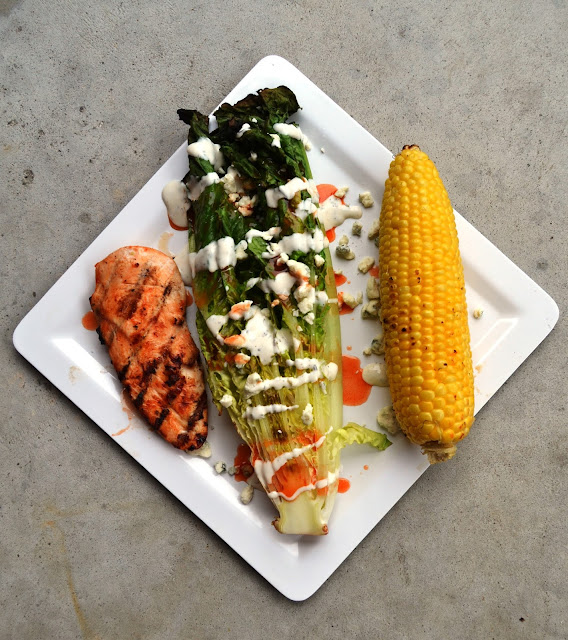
518, 315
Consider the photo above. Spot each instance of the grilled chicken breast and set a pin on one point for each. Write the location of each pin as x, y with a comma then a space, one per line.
139, 302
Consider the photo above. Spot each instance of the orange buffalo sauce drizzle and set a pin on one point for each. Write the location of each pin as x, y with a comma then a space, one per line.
343, 485
89, 321
355, 390
291, 477
242, 463
294, 475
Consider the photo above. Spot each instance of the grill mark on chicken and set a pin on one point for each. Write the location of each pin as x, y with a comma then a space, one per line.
163, 415
139, 339
172, 378
139, 303
148, 371
122, 372
200, 409
129, 303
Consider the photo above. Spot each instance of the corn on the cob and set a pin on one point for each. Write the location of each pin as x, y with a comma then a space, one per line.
423, 307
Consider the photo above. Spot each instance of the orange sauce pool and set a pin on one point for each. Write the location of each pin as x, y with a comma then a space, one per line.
355, 390
330, 234
366, 467
374, 271
242, 463
343, 485
188, 298
129, 409
339, 279
119, 433
89, 321
325, 190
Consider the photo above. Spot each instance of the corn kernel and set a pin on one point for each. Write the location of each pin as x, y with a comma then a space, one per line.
437, 415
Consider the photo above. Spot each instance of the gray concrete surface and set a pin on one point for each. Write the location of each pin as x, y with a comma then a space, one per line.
91, 545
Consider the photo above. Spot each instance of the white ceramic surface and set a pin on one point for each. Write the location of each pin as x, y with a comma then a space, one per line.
518, 315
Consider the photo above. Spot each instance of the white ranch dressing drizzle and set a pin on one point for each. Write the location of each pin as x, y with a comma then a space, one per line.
218, 254
222, 253
205, 149
265, 235
197, 187
303, 363
312, 189
255, 384
305, 208
259, 412
281, 285
287, 191
333, 213
290, 189
215, 323
176, 199
293, 132
241, 131
303, 242
262, 339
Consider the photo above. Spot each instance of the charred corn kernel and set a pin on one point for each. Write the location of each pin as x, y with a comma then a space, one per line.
423, 308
